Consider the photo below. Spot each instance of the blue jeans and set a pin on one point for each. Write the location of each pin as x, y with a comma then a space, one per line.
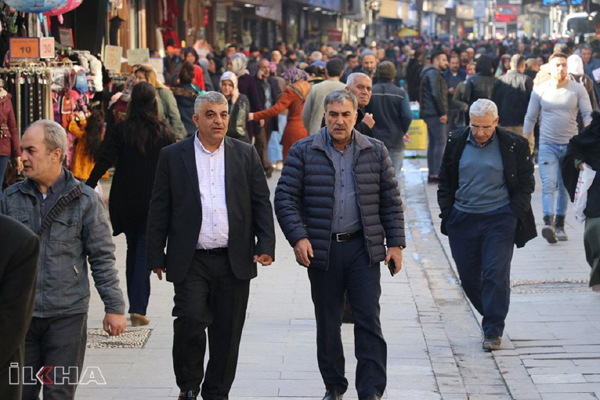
397, 156
550, 157
437, 135
482, 247
3, 165
138, 277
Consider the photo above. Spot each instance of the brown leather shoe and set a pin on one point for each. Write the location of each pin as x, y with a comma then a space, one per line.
138, 319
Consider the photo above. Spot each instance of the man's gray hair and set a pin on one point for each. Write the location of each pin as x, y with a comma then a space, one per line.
352, 77
340, 96
483, 107
316, 56
55, 136
209, 97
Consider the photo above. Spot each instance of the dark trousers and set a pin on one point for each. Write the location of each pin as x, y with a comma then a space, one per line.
138, 277
261, 142
349, 271
437, 135
55, 342
482, 247
209, 297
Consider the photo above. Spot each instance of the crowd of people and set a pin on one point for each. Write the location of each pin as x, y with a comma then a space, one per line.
192, 150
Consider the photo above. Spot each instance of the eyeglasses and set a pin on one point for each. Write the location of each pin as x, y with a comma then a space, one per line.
476, 128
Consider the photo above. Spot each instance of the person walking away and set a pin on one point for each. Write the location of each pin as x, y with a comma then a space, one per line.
135, 143
511, 94
293, 99
486, 182
210, 207
238, 107
313, 107
19, 251
391, 109
185, 93
89, 133
462, 118
480, 85
70, 221
433, 100
248, 87
585, 149
576, 74
454, 76
340, 240
167, 105
557, 102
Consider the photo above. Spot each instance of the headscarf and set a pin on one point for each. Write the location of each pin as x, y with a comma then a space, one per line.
575, 65
230, 76
294, 75
273, 67
238, 64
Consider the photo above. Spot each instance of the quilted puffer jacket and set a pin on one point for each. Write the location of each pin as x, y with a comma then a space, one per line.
304, 196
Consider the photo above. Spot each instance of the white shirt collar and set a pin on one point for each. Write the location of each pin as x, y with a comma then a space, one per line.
200, 147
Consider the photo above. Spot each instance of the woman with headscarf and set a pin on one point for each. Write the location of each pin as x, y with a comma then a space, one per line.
167, 105
293, 99
504, 66
247, 86
575, 73
239, 107
215, 70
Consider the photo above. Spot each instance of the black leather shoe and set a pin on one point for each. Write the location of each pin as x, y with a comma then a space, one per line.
371, 397
188, 394
333, 395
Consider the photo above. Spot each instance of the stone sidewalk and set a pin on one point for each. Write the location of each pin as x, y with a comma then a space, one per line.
434, 340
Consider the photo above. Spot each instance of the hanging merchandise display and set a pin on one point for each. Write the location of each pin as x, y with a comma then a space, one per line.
35, 6
69, 5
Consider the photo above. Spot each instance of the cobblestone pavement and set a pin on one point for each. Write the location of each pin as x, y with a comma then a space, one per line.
434, 339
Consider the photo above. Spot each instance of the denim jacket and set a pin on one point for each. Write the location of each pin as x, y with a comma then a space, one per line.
78, 234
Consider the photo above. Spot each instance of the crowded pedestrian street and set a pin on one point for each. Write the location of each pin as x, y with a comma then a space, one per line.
550, 350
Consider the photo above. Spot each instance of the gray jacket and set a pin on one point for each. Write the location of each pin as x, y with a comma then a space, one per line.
79, 233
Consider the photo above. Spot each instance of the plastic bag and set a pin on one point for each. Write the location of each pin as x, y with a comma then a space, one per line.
586, 177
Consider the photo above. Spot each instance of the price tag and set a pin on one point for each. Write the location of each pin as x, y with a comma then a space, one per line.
24, 48
47, 47
112, 57
66, 37
137, 56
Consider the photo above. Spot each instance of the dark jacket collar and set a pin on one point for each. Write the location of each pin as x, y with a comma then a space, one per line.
29, 186
320, 141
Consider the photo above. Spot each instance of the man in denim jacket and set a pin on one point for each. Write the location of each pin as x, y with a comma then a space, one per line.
71, 222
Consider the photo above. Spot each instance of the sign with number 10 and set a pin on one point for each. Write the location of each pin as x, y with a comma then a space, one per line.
24, 48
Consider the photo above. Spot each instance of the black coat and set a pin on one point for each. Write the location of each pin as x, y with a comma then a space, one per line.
518, 172
19, 249
584, 147
132, 183
304, 196
175, 214
275, 95
511, 94
391, 111
478, 87
186, 95
433, 93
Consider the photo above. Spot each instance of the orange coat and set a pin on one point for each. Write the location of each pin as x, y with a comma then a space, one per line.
294, 129
83, 164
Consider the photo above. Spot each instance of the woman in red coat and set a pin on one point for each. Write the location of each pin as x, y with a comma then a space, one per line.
293, 99
9, 136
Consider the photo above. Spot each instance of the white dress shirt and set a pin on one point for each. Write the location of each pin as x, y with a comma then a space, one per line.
214, 232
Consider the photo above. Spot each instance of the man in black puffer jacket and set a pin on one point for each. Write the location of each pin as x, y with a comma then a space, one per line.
433, 100
337, 202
